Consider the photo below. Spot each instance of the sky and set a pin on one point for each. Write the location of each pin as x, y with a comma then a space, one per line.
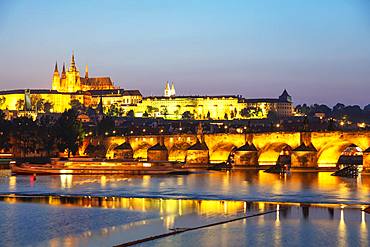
319, 50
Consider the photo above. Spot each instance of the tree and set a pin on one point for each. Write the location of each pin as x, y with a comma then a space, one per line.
26, 135
69, 132
113, 111
367, 109
47, 134
37, 102
164, 112
105, 125
48, 106
272, 116
248, 112
187, 115
19, 105
4, 132
2, 101
130, 113
77, 106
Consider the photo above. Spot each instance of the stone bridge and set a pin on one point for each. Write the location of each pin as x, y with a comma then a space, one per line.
307, 149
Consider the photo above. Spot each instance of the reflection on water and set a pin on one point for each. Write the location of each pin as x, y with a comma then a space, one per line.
163, 206
66, 181
12, 183
293, 221
235, 185
342, 229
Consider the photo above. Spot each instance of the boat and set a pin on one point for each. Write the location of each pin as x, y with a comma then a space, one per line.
96, 168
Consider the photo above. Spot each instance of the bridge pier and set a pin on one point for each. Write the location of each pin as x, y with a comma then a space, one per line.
198, 154
158, 152
246, 155
304, 156
123, 151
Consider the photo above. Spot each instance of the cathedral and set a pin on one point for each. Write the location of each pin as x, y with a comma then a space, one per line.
70, 81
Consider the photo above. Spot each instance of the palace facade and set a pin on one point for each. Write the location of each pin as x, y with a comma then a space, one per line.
69, 86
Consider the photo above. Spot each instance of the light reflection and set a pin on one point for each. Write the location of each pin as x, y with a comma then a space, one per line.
12, 183
342, 238
103, 181
277, 232
66, 181
363, 229
146, 181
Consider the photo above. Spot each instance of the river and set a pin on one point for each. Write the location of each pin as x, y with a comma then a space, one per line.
69, 210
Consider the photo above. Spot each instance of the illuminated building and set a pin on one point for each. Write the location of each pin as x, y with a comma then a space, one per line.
66, 87
220, 107
69, 86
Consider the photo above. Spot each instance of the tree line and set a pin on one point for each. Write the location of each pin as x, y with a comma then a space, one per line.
353, 113
42, 137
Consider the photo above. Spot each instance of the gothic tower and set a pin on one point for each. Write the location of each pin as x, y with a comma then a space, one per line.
56, 78
73, 82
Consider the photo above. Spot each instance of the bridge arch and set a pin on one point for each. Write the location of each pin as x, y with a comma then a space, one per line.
270, 153
329, 155
110, 151
221, 151
141, 150
178, 151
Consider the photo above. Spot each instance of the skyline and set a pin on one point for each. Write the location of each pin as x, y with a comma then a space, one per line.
238, 48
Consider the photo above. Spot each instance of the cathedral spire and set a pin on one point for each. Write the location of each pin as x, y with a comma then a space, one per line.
64, 71
56, 68
73, 64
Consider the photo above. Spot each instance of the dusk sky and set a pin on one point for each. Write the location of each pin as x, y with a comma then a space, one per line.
319, 50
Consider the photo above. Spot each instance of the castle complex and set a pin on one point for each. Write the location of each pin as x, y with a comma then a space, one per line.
68, 86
